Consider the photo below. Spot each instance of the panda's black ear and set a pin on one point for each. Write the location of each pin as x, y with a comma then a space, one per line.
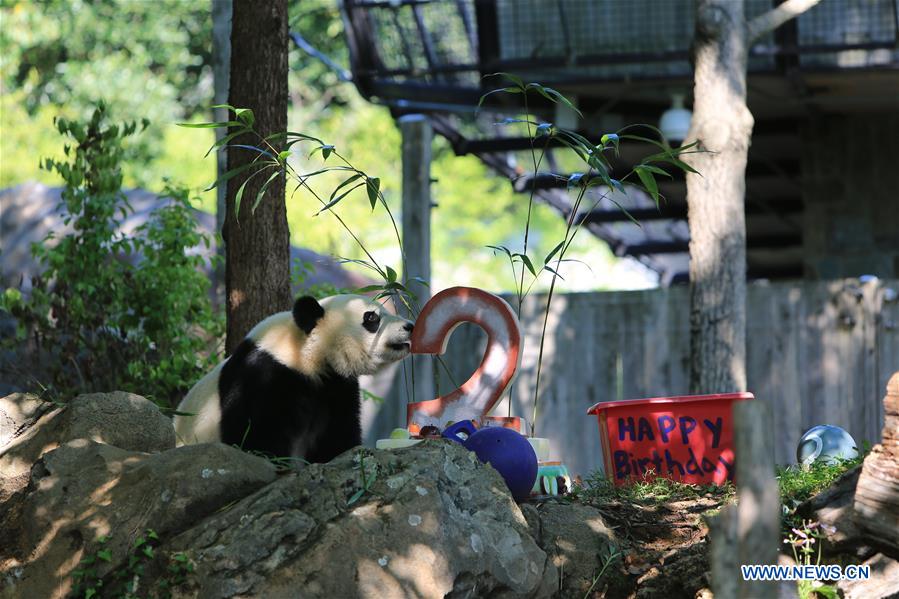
306, 312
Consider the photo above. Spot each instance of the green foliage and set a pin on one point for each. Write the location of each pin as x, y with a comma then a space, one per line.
96, 320
271, 159
798, 483
302, 271
594, 159
597, 490
58, 56
607, 559
805, 541
124, 582
366, 479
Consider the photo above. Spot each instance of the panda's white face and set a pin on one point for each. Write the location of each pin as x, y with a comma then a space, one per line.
354, 336
358, 336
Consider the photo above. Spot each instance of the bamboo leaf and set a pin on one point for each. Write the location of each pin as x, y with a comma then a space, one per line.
216, 125
527, 263
325, 149
367, 289
302, 137
648, 181
552, 253
223, 141
508, 90
245, 115
232, 173
513, 78
683, 165
550, 269
626, 213
656, 170
553, 96
575, 179
262, 190
239, 196
334, 202
256, 149
391, 274
346, 182
543, 129
499, 248
374, 186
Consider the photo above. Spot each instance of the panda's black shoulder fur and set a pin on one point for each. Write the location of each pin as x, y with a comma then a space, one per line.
269, 408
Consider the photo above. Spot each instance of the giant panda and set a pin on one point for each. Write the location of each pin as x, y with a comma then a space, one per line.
291, 388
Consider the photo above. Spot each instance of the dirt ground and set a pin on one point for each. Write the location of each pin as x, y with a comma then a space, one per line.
664, 548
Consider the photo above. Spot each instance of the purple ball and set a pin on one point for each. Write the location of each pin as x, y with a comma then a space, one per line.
510, 454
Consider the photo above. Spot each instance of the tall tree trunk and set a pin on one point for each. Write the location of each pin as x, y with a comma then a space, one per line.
715, 198
723, 125
257, 245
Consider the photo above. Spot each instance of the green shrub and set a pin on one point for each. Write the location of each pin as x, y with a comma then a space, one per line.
97, 320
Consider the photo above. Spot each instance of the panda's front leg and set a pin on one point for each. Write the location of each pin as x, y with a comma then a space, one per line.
339, 420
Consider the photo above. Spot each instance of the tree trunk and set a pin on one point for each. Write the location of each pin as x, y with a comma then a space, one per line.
257, 245
715, 198
723, 125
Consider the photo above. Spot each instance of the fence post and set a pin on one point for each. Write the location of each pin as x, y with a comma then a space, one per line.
416, 219
722, 553
749, 532
758, 497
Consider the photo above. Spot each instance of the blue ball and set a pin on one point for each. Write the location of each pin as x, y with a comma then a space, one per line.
510, 454
825, 443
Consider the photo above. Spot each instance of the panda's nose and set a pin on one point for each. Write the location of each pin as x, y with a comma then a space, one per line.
408, 327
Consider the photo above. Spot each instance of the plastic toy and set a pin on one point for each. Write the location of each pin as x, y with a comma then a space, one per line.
552, 479
826, 443
510, 454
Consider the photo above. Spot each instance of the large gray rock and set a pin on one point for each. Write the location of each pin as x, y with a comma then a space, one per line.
577, 540
18, 412
124, 420
432, 522
84, 490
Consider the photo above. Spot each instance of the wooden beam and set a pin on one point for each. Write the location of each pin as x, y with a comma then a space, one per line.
678, 211
758, 509
676, 246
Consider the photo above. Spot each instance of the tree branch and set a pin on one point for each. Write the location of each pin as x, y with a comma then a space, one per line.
776, 17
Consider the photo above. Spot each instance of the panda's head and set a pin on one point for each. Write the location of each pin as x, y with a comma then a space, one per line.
349, 334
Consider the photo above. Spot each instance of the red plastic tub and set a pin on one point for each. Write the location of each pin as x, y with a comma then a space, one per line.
688, 438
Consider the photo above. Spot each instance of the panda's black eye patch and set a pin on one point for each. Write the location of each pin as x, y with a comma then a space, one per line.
371, 321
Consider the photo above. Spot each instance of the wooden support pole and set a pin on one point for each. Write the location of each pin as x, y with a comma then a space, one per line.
758, 497
416, 220
749, 532
722, 553
221, 75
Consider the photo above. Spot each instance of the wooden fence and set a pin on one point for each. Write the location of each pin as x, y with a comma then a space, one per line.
819, 352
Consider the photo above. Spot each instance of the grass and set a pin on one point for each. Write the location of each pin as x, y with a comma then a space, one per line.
799, 483
599, 489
